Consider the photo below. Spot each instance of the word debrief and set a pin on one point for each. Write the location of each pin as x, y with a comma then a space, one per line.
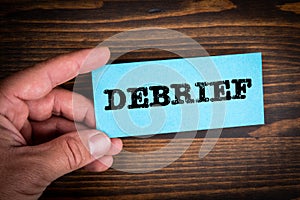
181, 94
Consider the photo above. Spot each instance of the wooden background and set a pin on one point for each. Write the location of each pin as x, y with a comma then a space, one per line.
257, 162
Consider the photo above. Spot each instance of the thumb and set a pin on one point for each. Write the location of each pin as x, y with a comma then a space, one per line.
72, 151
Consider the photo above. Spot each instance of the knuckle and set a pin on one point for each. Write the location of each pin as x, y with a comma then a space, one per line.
74, 152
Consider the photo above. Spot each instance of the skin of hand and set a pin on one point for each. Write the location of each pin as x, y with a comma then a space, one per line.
39, 141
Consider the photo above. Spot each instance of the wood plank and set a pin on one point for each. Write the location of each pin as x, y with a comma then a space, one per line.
236, 167
257, 162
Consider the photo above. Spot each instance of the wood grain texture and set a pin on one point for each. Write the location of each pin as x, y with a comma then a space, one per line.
240, 168
291, 7
257, 162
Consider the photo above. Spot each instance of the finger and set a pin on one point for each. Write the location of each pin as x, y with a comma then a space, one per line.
10, 136
116, 146
70, 152
49, 129
26, 132
100, 165
55, 126
64, 103
47, 75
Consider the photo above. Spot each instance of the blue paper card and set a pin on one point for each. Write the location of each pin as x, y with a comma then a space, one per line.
177, 95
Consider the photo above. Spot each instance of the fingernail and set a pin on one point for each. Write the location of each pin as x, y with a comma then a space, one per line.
99, 145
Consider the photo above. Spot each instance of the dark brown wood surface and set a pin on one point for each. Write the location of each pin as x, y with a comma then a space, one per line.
257, 162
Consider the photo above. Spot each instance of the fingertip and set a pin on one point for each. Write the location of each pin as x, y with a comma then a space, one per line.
96, 58
103, 54
116, 146
100, 165
106, 53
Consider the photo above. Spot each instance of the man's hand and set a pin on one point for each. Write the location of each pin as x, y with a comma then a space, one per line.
38, 138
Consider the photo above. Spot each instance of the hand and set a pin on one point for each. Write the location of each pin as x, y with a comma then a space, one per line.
38, 138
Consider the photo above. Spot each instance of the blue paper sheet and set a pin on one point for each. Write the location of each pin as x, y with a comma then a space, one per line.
139, 98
